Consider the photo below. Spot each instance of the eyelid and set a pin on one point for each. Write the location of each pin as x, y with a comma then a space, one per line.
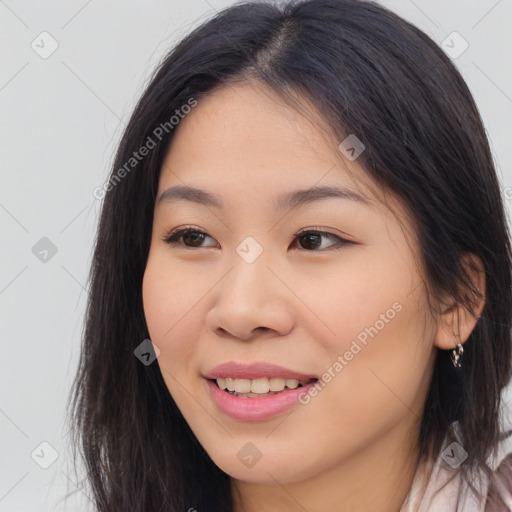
318, 229
181, 230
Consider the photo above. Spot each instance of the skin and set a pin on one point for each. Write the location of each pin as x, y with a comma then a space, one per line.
353, 447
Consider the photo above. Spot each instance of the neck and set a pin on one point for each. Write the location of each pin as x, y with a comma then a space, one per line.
375, 479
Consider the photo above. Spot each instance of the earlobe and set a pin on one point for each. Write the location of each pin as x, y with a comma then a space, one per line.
457, 321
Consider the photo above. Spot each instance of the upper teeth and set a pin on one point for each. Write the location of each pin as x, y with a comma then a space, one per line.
263, 385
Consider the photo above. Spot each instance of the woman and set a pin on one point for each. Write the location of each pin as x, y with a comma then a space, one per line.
301, 286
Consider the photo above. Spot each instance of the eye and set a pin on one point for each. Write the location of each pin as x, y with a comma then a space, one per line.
309, 240
191, 236
312, 240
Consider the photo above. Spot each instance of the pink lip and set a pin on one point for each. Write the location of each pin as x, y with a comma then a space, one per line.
252, 409
254, 371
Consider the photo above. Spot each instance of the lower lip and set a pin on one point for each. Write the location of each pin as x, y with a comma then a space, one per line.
252, 409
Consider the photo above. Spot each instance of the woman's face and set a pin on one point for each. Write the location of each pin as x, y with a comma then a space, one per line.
252, 292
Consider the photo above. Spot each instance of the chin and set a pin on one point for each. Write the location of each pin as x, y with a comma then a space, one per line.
266, 470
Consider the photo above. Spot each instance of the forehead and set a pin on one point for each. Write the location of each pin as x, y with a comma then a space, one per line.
245, 134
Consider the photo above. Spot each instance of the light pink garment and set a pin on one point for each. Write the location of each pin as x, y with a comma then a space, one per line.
428, 479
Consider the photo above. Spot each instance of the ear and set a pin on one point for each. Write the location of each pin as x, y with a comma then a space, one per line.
455, 322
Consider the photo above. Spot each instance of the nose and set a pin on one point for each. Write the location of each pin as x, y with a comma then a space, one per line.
251, 301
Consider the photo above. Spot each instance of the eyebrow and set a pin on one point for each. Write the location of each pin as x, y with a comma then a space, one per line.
287, 201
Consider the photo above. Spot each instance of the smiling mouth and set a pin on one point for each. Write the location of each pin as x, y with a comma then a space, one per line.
259, 388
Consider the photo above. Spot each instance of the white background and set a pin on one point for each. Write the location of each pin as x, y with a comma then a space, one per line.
61, 119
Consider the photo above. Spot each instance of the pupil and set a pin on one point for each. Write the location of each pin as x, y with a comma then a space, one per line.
194, 235
312, 236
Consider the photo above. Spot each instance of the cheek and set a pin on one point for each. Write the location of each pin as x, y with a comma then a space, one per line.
383, 372
348, 304
380, 346
159, 306
168, 296
169, 310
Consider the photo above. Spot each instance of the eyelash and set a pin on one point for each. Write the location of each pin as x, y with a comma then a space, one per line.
175, 235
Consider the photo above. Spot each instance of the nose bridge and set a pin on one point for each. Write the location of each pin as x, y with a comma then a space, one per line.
250, 296
250, 250
249, 269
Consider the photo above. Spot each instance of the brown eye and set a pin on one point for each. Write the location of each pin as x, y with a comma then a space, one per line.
312, 240
191, 238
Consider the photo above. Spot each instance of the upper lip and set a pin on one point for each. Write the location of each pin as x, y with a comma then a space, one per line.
254, 370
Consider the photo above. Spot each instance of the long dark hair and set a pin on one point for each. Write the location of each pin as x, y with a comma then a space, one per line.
367, 72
